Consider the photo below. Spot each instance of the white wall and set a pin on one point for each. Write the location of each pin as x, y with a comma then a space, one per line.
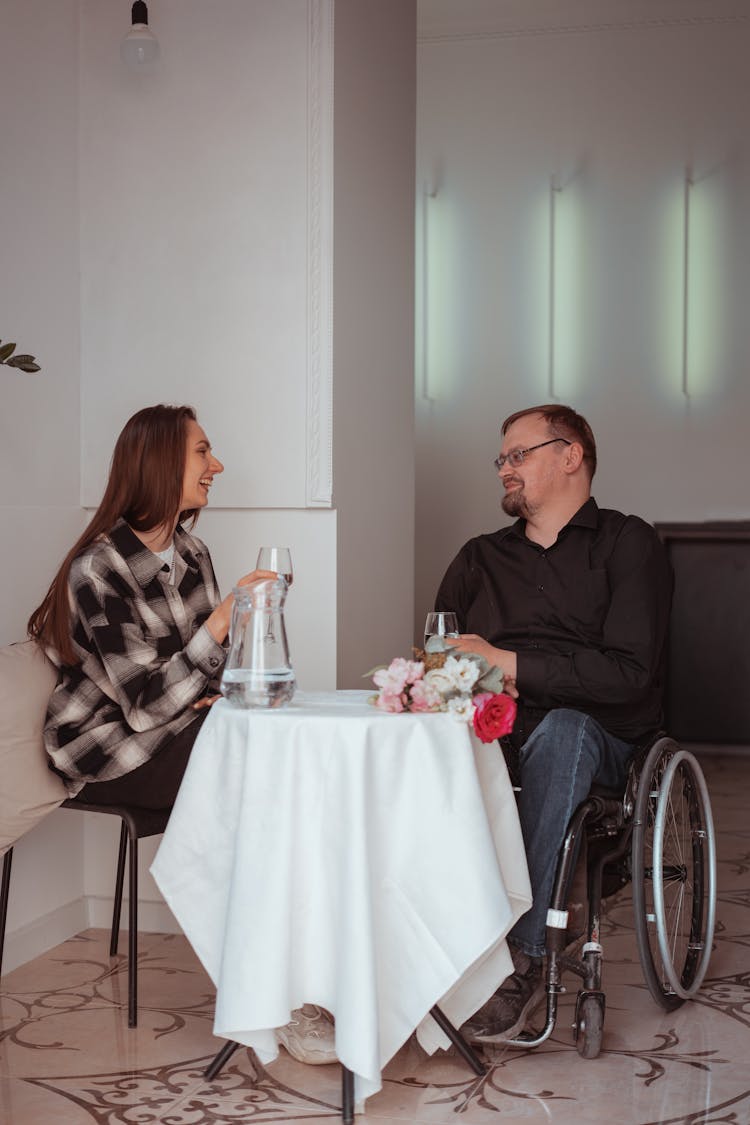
39, 416
375, 79
195, 235
157, 233
173, 234
614, 99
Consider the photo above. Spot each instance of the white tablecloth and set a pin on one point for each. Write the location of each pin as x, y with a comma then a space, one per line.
327, 853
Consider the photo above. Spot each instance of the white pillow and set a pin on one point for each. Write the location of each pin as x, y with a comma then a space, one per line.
28, 789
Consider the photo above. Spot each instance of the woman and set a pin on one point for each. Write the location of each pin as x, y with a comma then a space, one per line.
134, 621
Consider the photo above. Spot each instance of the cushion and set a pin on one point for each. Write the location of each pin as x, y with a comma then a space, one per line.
28, 789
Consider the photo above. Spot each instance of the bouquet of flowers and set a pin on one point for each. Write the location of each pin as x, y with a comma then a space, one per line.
440, 679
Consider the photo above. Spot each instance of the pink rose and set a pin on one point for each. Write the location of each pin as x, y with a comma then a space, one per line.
424, 697
392, 701
494, 715
398, 674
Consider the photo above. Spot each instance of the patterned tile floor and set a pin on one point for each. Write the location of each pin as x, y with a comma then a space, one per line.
67, 1057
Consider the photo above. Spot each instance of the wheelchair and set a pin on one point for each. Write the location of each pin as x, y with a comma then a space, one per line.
660, 836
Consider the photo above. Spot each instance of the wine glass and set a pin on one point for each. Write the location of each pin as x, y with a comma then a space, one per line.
278, 559
440, 624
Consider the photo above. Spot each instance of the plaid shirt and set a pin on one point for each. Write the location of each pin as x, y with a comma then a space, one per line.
145, 652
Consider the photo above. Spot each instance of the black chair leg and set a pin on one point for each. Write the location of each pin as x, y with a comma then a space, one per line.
347, 1095
465, 1051
4, 891
133, 935
119, 882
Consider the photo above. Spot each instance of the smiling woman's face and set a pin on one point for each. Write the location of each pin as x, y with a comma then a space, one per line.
200, 468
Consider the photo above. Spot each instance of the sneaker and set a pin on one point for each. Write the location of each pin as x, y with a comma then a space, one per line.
506, 1012
309, 1036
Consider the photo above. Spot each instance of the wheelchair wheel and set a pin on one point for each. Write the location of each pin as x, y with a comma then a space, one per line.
674, 873
589, 1025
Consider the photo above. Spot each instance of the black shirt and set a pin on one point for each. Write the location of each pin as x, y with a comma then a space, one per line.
587, 616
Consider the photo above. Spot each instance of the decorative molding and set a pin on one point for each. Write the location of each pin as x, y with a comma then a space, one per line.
645, 24
319, 484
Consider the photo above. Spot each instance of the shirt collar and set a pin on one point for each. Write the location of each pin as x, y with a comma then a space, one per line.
144, 564
586, 516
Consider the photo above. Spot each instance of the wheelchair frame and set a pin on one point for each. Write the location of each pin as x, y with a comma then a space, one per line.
659, 835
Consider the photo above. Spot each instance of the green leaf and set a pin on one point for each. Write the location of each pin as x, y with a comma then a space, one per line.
30, 368
377, 668
19, 360
436, 643
5, 351
491, 680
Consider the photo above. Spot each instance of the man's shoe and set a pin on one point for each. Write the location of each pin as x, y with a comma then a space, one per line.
309, 1036
506, 1012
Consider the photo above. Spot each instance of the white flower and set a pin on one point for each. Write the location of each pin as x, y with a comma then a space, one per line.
463, 672
461, 707
440, 680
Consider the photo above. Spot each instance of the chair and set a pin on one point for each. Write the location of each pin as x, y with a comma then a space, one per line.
137, 823
660, 835
30, 791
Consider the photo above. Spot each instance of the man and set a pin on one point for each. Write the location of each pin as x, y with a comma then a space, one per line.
572, 603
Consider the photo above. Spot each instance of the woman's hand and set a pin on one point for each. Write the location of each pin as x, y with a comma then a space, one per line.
206, 701
501, 658
218, 622
254, 576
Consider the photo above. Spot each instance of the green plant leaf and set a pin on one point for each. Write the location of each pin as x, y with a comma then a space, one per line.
29, 368
19, 360
5, 351
491, 680
377, 668
436, 643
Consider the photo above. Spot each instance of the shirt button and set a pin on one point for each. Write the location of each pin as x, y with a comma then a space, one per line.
540, 589
214, 661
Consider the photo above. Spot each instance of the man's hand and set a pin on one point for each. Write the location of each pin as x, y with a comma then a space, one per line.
501, 658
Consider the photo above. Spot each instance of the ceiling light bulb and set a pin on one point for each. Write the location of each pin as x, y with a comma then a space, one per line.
140, 46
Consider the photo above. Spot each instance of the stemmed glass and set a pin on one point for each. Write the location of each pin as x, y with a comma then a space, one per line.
440, 624
278, 559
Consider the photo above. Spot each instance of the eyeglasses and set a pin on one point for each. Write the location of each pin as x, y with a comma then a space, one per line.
517, 457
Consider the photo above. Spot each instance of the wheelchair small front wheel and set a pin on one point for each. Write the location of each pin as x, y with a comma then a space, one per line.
674, 874
589, 1024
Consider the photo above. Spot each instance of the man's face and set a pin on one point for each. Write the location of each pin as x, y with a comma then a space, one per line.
529, 485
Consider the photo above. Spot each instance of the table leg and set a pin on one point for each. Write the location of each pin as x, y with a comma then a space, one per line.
465, 1051
347, 1099
222, 1056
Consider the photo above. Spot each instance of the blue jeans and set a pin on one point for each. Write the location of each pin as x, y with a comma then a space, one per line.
558, 764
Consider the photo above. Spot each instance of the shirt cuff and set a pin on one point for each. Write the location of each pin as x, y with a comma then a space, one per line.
205, 653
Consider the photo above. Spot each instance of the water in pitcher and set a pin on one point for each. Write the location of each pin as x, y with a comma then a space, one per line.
271, 688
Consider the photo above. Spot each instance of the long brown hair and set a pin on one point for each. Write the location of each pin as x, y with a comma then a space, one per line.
144, 488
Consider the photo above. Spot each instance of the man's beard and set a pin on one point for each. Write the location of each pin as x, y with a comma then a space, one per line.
514, 503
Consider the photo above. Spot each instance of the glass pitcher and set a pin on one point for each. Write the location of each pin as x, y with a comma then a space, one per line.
258, 672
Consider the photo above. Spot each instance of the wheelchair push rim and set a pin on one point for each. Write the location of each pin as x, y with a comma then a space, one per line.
674, 874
